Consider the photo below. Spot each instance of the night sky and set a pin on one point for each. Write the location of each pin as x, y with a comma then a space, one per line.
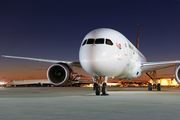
54, 29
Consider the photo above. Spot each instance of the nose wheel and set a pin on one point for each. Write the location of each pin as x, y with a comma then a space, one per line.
104, 89
98, 90
98, 83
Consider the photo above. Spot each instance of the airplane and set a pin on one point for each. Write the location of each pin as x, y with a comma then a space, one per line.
107, 54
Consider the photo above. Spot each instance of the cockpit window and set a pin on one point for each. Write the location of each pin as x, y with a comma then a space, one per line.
90, 41
109, 42
84, 42
99, 41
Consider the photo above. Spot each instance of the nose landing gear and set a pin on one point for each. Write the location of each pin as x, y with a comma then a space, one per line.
97, 87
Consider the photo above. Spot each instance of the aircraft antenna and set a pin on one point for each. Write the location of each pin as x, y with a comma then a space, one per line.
137, 40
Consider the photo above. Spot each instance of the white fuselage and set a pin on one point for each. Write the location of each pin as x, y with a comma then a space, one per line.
106, 52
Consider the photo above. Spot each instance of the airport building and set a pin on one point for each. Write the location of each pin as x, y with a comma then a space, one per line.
165, 82
44, 83
31, 83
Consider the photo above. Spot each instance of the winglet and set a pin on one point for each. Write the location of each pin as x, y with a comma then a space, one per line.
3, 56
137, 40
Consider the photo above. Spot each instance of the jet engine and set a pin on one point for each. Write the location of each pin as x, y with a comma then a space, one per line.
177, 74
59, 74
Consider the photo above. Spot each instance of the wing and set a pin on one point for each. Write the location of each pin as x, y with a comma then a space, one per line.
71, 63
151, 66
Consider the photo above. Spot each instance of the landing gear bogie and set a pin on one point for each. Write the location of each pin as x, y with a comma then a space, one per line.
154, 86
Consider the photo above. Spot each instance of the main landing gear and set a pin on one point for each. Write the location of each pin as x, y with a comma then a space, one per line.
97, 87
154, 86
153, 76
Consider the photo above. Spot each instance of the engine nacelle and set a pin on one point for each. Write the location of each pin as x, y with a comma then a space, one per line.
177, 74
59, 74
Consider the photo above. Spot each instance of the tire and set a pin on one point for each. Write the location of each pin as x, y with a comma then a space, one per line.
104, 92
94, 86
158, 87
97, 91
150, 87
104, 84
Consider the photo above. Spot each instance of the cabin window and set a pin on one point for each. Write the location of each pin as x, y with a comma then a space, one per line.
109, 42
90, 41
99, 41
84, 42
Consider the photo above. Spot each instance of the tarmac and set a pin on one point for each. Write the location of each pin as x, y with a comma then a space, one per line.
78, 103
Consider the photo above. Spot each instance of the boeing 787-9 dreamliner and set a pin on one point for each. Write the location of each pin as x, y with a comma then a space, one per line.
106, 54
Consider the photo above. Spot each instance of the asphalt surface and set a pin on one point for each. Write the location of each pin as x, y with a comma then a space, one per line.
73, 103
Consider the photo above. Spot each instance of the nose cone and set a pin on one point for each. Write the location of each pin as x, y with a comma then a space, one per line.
91, 59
